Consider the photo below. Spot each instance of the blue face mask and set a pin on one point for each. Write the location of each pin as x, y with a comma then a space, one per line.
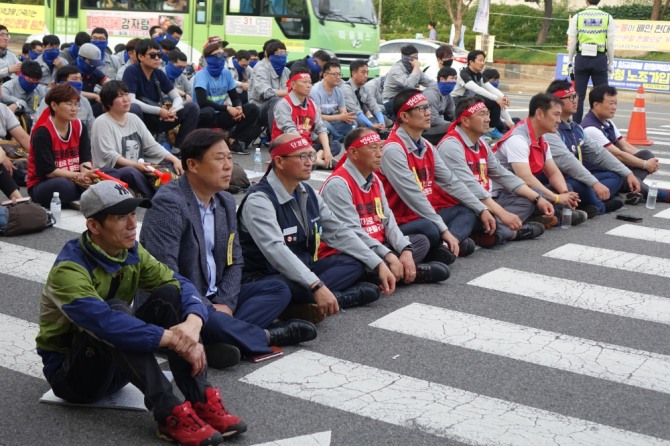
74, 50
314, 67
215, 65
78, 85
159, 39
172, 39
126, 56
102, 46
278, 62
239, 68
33, 55
29, 87
84, 67
173, 71
164, 57
50, 56
446, 87
495, 84
252, 63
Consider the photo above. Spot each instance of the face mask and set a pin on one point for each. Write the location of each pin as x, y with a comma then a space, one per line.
172, 39
164, 57
50, 56
240, 69
278, 62
102, 46
215, 65
407, 63
252, 63
78, 85
126, 56
173, 71
84, 67
74, 50
313, 66
447, 63
495, 84
446, 87
159, 39
29, 87
33, 54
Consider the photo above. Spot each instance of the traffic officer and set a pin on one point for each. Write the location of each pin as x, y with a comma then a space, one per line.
591, 36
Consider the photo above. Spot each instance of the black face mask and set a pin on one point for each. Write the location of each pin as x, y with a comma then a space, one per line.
447, 63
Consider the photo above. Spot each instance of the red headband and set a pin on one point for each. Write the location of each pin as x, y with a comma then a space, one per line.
411, 103
474, 108
297, 77
364, 140
563, 93
290, 146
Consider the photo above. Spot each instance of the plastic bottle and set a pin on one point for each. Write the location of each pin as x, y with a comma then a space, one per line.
258, 161
566, 218
651, 196
55, 208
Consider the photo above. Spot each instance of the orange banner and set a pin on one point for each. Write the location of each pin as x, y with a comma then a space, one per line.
22, 19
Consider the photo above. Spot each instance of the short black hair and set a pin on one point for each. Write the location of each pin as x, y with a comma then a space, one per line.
598, 93
273, 47
119, 47
26, 47
31, 69
131, 44
81, 38
491, 73
443, 51
243, 55
472, 55
63, 72
328, 65
176, 55
558, 84
199, 141
465, 104
66, 45
100, 30
402, 97
153, 29
174, 29
432, 23
408, 50
357, 64
35, 43
355, 134
51, 39
167, 45
542, 101
299, 68
111, 91
144, 45
253, 53
322, 55
446, 72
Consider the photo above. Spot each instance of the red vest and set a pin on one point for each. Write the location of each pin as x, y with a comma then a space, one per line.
424, 173
538, 150
477, 161
368, 206
304, 119
66, 152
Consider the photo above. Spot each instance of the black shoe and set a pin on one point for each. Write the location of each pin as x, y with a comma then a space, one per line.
579, 217
237, 148
361, 294
441, 254
220, 355
613, 204
291, 332
590, 209
633, 198
485, 240
467, 247
529, 231
431, 272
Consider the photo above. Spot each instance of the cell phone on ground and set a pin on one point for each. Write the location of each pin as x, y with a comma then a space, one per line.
276, 351
630, 218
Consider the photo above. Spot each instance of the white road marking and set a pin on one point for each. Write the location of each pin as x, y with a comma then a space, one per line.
25, 263
317, 439
664, 214
433, 408
641, 233
17, 346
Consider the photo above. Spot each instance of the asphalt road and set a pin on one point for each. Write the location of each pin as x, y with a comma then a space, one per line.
560, 340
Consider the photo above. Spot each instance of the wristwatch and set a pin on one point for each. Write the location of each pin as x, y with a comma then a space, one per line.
317, 287
537, 199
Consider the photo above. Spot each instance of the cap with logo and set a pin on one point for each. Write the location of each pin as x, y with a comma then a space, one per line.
110, 197
91, 52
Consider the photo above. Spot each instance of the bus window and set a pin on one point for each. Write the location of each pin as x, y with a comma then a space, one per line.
175, 5
217, 12
74, 7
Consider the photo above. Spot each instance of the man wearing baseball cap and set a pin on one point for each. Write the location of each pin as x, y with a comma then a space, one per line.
92, 343
89, 61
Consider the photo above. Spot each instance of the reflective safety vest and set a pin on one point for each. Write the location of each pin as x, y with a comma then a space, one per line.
592, 26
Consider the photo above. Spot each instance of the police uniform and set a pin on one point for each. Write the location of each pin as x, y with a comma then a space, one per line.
591, 44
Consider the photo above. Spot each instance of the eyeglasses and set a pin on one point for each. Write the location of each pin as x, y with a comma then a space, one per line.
571, 98
71, 104
311, 156
98, 39
422, 108
335, 74
281, 53
153, 55
5, 35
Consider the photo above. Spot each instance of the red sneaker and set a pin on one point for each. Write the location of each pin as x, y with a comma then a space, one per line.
213, 413
187, 429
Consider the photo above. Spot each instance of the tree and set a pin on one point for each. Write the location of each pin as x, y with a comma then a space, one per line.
546, 22
457, 10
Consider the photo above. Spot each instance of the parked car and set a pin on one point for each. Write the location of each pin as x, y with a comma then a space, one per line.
389, 53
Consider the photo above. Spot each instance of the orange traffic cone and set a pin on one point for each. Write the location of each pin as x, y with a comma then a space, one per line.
637, 129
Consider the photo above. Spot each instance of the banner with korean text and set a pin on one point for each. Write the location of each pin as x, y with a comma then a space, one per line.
22, 19
642, 35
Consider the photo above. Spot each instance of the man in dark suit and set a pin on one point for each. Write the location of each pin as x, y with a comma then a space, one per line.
192, 227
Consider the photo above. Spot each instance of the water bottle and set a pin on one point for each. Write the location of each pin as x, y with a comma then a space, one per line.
258, 161
566, 218
651, 196
55, 208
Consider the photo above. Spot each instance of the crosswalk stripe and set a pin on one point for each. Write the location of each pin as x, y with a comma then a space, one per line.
663, 160
25, 263
641, 233
609, 258
318, 439
437, 409
659, 183
17, 346
577, 355
664, 214
577, 294
649, 132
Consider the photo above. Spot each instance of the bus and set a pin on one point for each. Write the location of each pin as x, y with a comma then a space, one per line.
347, 29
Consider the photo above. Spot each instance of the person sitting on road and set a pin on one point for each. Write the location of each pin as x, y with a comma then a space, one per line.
594, 173
314, 63
284, 244
110, 64
356, 196
329, 99
50, 59
239, 67
9, 63
92, 343
297, 113
25, 89
425, 196
473, 162
524, 151
506, 120
174, 69
129, 57
358, 100
213, 89
405, 73
441, 105
598, 126
268, 80
119, 140
192, 228
71, 53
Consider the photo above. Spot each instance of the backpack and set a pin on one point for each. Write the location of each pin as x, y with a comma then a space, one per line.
24, 218
239, 180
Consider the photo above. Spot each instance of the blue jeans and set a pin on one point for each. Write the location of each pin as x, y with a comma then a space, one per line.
586, 193
338, 129
460, 220
425, 227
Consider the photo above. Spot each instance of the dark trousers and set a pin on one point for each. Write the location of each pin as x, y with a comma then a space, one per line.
610, 180
187, 120
246, 130
136, 180
93, 369
640, 173
43, 192
460, 220
420, 247
594, 68
267, 115
258, 305
423, 227
338, 272
7, 183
